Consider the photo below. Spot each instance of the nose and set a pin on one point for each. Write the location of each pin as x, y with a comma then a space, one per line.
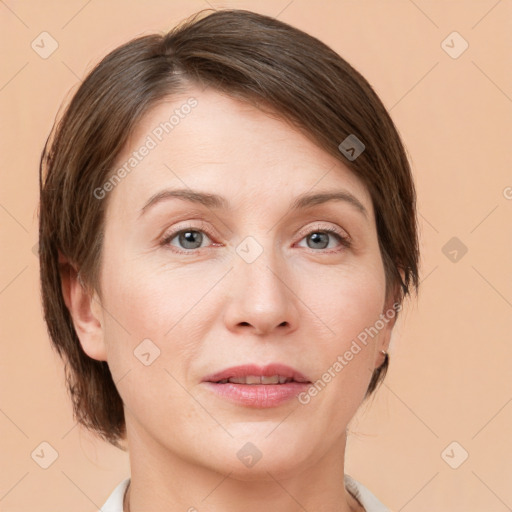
261, 297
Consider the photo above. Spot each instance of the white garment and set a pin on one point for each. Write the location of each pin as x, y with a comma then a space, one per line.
367, 499
370, 503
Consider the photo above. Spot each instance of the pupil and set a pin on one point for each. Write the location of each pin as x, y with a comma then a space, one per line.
316, 237
188, 237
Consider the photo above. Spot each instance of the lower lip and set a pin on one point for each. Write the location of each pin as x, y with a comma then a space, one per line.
259, 396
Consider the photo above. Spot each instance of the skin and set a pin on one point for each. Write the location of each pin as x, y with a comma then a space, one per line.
209, 309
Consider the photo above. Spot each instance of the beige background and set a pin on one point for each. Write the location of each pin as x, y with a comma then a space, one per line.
450, 375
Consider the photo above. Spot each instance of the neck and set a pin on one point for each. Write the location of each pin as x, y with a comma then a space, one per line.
162, 480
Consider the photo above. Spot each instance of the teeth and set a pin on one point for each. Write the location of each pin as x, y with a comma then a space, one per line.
251, 379
255, 379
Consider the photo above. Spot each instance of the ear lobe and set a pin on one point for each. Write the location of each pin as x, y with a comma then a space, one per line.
86, 312
390, 312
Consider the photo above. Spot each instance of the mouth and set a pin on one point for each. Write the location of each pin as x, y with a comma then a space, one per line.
251, 380
257, 387
272, 374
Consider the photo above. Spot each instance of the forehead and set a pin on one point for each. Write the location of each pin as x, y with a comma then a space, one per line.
206, 140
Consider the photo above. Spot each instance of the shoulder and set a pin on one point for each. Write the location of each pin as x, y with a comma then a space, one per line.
114, 502
367, 499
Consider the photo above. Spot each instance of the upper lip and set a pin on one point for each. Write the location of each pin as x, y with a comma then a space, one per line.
262, 371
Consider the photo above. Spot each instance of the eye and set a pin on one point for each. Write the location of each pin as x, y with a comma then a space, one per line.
319, 239
190, 238
186, 239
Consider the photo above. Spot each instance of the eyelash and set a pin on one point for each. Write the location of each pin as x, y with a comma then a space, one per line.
343, 239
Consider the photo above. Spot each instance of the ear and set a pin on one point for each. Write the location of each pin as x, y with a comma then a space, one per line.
389, 315
86, 311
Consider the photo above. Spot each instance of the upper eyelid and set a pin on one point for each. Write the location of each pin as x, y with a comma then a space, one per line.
203, 227
303, 232
340, 231
171, 233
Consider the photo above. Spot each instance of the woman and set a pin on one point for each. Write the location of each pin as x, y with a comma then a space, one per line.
227, 233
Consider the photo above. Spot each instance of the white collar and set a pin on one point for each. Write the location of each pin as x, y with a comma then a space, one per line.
370, 503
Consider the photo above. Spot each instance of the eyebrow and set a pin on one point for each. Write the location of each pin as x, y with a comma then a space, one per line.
215, 201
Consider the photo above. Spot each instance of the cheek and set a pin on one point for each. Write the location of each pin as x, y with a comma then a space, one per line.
359, 306
348, 303
165, 306
344, 361
345, 300
150, 313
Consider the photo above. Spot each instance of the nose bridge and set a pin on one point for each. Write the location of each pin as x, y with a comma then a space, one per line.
258, 265
261, 296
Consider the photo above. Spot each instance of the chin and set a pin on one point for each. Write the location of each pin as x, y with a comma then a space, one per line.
265, 469
253, 457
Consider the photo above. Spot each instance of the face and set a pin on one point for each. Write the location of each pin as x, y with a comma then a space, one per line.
214, 258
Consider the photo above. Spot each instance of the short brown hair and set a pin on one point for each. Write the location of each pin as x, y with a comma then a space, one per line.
248, 56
